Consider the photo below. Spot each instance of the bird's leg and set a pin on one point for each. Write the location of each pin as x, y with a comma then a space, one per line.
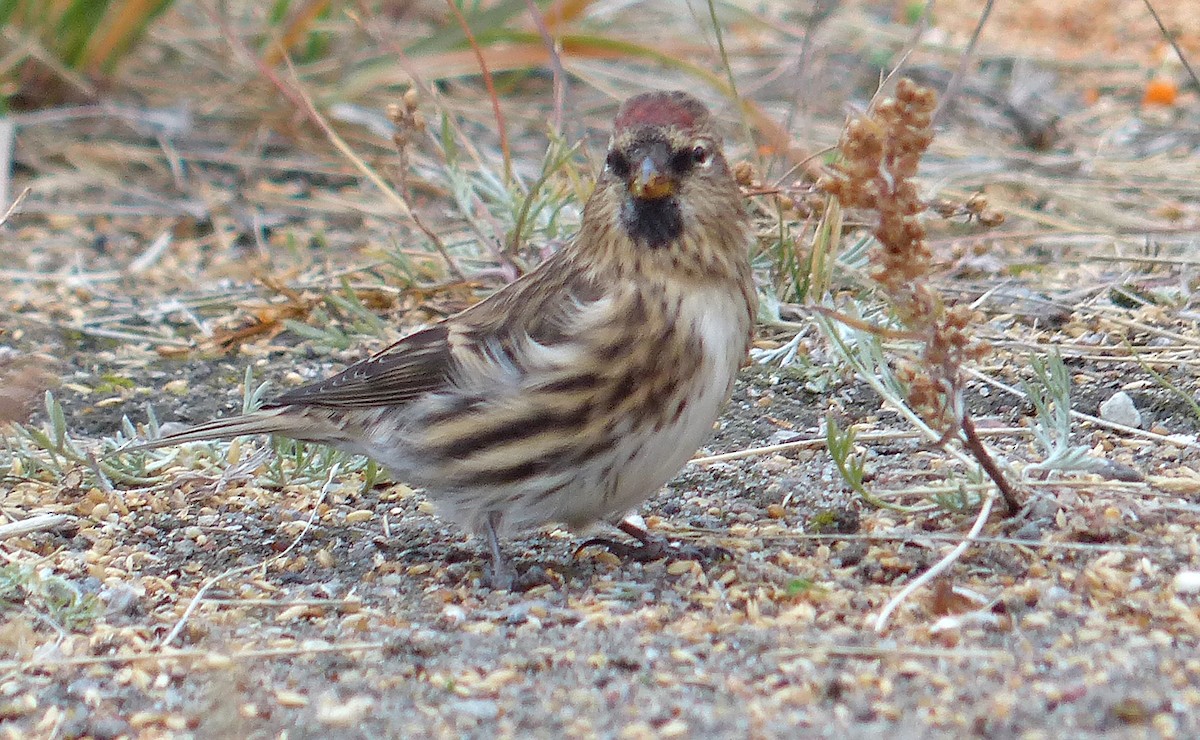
503, 576
652, 547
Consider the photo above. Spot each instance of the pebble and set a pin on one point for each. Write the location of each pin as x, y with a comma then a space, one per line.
1119, 409
343, 713
1187, 582
480, 709
106, 726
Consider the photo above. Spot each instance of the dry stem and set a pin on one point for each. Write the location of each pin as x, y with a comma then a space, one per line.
881, 152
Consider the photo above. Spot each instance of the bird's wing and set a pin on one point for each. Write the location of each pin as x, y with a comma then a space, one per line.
534, 325
419, 363
491, 345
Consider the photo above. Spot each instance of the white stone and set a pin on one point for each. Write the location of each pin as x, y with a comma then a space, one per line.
1187, 582
1119, 409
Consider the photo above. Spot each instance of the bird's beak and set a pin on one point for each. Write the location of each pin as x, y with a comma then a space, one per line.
650, 182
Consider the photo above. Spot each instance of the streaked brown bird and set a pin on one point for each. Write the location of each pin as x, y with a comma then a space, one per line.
573, 394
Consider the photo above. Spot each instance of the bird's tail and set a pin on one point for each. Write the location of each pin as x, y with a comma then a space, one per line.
274, 421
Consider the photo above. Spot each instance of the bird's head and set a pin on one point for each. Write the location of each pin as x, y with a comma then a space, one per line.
666, 169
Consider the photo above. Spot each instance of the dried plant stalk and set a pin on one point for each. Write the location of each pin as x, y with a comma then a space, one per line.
881, 152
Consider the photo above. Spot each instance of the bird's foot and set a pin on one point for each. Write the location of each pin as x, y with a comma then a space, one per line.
500, 576
651, 547
658, 548
510, 578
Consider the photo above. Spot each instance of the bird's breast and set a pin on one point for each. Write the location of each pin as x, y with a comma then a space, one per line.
681, 398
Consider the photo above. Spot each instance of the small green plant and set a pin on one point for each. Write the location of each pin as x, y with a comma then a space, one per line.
1050, 394
881, 153
506, 211
343, 321
798, 586
295, 462
1188, 399
539, 209
51, 452
851, 465
863, 351
963, 495
841, 448
810, 274
89, 37
49, 596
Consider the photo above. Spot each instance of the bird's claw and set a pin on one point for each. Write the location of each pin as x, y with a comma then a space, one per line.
502, 578
657, 548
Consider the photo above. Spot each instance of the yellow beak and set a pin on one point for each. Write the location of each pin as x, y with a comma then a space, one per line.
651, 183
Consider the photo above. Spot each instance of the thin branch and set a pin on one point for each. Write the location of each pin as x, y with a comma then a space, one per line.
8, 136
14, 207
490, 84
963, 62
556, 66
34, 524
810, 442
1180, 440
973, 443
939, 568
1174, 44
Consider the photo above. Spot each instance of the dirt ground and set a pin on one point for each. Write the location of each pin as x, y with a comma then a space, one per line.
151, 266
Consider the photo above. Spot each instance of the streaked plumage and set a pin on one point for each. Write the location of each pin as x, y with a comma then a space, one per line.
575, 393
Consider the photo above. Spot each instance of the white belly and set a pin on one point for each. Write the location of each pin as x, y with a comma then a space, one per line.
646, 459
643, 457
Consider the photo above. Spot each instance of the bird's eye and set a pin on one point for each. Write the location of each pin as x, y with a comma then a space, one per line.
683, 160
618, 164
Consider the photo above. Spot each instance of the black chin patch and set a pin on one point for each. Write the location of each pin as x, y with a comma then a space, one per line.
655, 223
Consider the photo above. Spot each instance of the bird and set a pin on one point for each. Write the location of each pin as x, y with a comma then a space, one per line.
574, 393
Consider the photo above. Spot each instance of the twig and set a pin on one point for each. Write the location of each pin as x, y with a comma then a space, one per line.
199, 597
556, 67
940, 567
147, 259
8, 135
886, 651
1174, 44
90, 660
14, 206
856, 323
288, 603
1134, 431
37, 523
964, 61
800, 444
96, 331
973, 443
490, 84
910, 537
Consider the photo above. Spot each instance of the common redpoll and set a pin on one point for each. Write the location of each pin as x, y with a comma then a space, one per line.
573, 394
